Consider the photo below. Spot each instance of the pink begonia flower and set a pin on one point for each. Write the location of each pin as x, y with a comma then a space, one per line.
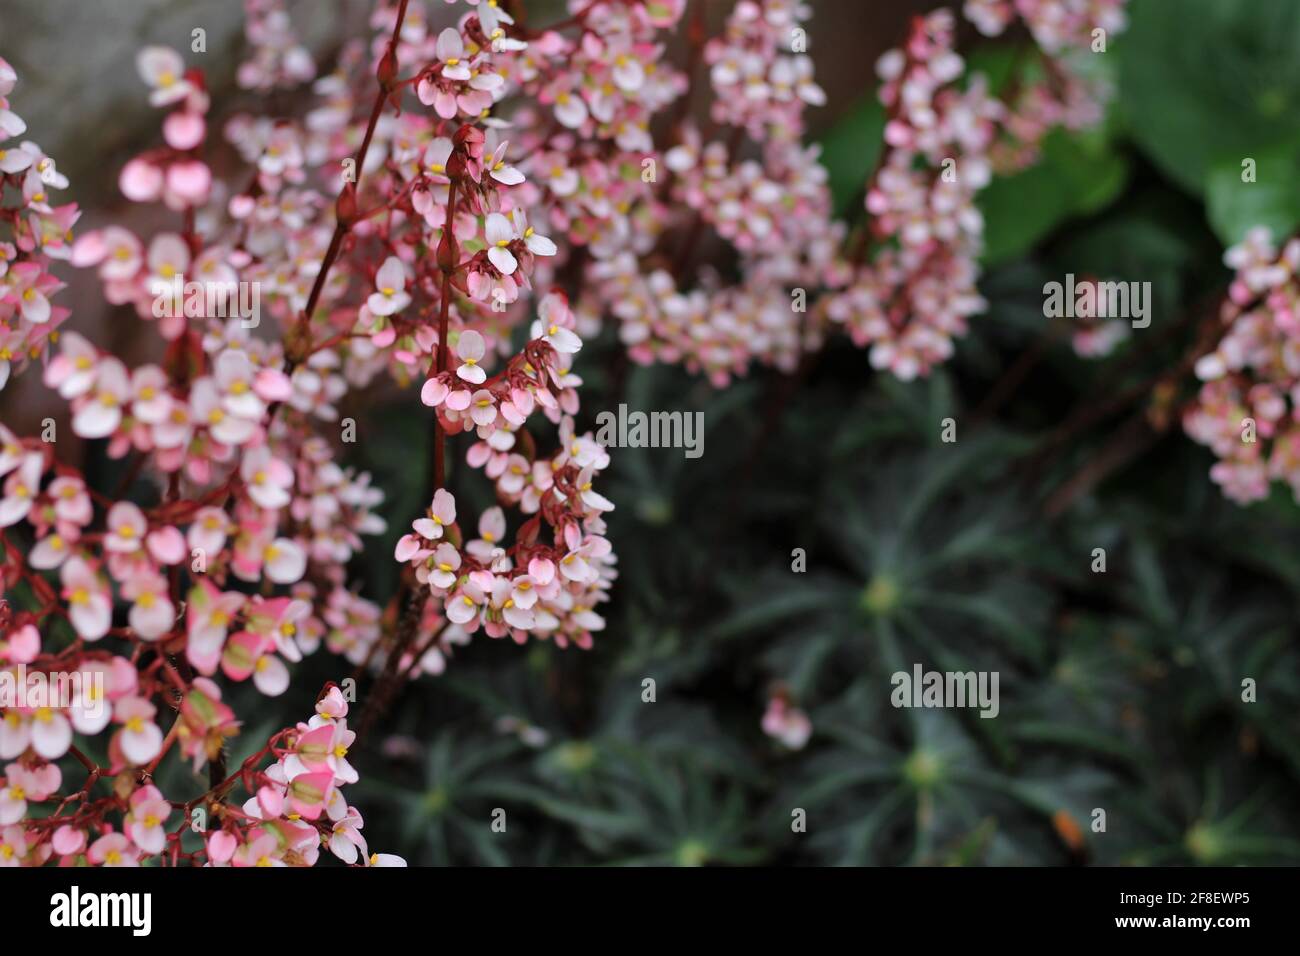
491, 531
126, 528
68, 840
333, 705
140, 739
114, 850
534, 242
209, 531
308, 793
592, 499
13, 846
11, 451
141, 181
71, 502
100, 413
14, 159
166, 545
346, 841
385, 859
187, 184
470, 348
499, 235
446, 563
149, 811
211, 612
23, 283
555, 325
497, 168
74, 370
570, 109
24, 784
236, 379
163, 69
434, 392
435, 158
390, 296
787, 724
221, 846
267, 479
206, 405
450, 49
51, 733
22, 646
168, 258
184, 130
442, 514
263, 850
465, 604
285, 561
20, 490
90, 602
150, 402
50, 552
152, 613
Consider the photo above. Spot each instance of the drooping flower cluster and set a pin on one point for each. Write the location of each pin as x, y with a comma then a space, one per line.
1060, 91
559, 568
1248, 410
910, 302
944, 141
39, 230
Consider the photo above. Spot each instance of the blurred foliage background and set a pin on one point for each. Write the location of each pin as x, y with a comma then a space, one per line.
1119, 690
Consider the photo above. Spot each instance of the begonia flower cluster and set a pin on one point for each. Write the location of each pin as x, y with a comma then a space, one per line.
454, 206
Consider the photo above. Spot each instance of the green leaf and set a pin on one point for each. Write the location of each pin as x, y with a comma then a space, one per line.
1272, 200
850, 149
1209, 81
1076, 175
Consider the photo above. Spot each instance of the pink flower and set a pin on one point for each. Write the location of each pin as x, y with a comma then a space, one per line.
51, 733
390, 296
446, 561
210, 614
496, 166
140, 739
442, 514
90, 604
163, 69
787, 724
267, 478
499, 236
13, 846
308, 793
20, 490
152, 614
555, 324
99, 415
22, 646
149, 811
263, 850
470, 348
126, 528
